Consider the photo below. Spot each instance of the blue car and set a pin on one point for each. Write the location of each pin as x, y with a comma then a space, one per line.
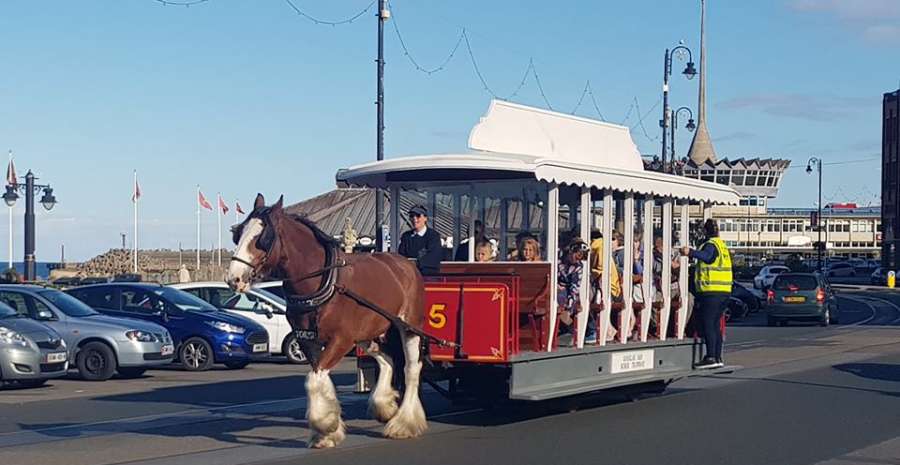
202, 334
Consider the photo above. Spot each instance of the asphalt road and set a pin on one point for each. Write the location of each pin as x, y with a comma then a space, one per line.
805, 395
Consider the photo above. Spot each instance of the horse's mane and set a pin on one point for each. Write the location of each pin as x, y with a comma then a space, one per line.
321, 236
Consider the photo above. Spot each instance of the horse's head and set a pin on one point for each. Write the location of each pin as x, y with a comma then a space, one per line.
258, 248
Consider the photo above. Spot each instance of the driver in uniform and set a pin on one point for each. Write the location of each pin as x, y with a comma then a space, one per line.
422, 243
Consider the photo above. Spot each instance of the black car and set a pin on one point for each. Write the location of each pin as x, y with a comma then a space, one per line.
741, 303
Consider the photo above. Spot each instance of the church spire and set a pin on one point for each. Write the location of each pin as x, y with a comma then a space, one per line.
701, 147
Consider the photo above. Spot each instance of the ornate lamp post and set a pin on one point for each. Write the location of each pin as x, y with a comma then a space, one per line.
48, 200
690, 126
818, 163
689, 72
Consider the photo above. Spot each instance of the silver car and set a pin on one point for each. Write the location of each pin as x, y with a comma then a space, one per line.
30, 352
99, 345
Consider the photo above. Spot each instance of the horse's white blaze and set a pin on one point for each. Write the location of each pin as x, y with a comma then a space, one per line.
323, 411
409, 422
383, 401
237, 271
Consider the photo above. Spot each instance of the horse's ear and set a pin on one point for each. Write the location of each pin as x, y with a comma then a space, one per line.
260, 201
278, 204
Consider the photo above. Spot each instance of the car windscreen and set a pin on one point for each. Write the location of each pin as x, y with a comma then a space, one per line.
795, 282
184, 301
779, 270
269, 295
67, 304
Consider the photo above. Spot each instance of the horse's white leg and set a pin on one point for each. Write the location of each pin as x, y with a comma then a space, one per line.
323, 411
383, 401
409, 421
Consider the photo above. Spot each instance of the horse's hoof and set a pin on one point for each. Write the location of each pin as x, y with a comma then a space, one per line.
385, 408
408, 423
327, 441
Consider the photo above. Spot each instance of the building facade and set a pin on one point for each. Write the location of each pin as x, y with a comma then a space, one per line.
890, 178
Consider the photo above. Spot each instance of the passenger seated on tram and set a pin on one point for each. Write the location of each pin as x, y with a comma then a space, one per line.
530, 250
515, 254
484, 252
462, 252
571, 267
675, 290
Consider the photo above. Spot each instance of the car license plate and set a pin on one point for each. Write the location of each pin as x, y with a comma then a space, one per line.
794, 299
56, 357
633, 360
167, 349
260, 348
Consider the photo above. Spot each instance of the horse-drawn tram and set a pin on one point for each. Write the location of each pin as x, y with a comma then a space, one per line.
561, 275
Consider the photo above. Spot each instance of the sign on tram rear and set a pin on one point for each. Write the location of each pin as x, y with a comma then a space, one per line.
633, 360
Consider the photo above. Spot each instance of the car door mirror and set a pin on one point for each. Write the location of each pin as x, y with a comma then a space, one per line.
45, 315
266, 309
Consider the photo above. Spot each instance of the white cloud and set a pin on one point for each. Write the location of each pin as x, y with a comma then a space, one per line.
877, 21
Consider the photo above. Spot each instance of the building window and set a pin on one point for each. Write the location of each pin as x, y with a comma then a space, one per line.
761, 180
722, 176
751, 178
707, 175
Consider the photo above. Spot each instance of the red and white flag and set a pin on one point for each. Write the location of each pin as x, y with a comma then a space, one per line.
203, 202
11, 178
136, 193
237, 207
222, 206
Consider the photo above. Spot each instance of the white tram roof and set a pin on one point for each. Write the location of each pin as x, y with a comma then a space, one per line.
515, 141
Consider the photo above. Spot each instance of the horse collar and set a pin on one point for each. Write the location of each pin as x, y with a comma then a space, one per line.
312, 302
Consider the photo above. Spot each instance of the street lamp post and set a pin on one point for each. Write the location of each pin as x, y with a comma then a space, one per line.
690, 126
818, 163
689, 72
48, 200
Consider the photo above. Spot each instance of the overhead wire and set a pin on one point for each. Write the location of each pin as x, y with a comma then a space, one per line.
315, 20
181, 3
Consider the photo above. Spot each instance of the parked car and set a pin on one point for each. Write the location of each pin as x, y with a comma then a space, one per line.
202, 334
751, 299
30, 352
259, 305
879, 277
767, 274
802, 296
840, 269
99, 345
858, 263
272, 286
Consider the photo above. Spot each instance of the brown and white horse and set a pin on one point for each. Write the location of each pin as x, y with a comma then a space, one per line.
318, 275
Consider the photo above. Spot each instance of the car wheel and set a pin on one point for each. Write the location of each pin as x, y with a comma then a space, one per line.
96, 362
291, 349
131, 372
237, 364
195, 354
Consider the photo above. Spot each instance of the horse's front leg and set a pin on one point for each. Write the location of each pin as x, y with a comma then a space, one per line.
323, 411
383, 401
409, 422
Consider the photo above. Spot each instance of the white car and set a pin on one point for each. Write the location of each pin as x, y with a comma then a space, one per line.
839, 270
260, 305
767, 275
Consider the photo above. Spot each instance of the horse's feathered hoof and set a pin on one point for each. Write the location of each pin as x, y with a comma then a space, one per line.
327, 441
407, 423
384, 407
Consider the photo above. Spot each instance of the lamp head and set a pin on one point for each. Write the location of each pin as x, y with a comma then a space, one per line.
48, 200
10, 196
808, 168
689, 71
690, 125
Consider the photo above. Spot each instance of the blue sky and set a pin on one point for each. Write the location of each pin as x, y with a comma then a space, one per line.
242, 96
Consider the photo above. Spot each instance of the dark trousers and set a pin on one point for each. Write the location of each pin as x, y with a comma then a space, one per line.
709, 313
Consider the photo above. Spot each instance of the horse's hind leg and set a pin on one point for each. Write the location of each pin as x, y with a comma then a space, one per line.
323, 411
409, 422
383, 401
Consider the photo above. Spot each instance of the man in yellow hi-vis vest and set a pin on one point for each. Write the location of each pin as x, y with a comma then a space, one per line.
712, 287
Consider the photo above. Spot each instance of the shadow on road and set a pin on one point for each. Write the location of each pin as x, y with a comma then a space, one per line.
879, 371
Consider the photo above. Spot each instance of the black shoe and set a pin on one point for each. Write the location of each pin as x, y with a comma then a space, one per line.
707, 362
720, 362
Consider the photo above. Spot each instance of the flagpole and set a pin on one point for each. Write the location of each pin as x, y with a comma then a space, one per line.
10, 223
219, 222
136, 200
237, 219
198, 227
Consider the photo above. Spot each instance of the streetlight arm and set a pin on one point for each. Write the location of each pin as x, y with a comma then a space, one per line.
672, 55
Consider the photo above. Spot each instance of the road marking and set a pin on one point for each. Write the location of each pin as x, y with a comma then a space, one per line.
893, 305
867, 304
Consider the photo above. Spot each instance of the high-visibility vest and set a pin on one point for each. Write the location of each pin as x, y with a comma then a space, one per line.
716, 276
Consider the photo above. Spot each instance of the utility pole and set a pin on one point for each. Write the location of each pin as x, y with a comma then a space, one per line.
123, 240
383, 15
